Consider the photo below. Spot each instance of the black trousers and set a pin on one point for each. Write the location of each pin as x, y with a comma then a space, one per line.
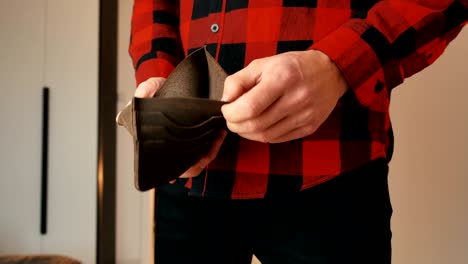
346, 220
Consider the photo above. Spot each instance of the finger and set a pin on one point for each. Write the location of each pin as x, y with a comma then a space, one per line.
272, 115
283, 130
149, 87
216, 147
240, 82
253, 102
192, 172
196, 169
299, 132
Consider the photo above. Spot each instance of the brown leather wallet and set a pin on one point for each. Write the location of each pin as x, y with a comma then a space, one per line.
177, 127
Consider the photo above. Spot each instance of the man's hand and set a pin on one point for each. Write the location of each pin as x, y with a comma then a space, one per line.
149, 88
283, 97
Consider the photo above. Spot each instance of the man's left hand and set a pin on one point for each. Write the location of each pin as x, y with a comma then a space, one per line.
283, 97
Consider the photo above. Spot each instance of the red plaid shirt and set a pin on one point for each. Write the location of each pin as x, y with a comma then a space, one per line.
376, 44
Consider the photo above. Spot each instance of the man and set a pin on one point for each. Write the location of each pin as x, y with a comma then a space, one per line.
302, 175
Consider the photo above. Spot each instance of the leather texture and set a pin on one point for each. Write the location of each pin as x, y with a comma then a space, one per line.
177, 127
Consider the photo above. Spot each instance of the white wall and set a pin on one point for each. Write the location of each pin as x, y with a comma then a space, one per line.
429, 172
428, 175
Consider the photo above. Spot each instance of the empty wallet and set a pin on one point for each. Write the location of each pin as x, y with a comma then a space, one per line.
178, 126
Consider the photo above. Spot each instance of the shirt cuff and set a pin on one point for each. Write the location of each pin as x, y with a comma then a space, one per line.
358, 62
153, 68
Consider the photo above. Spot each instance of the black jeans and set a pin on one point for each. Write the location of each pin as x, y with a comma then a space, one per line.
346, 220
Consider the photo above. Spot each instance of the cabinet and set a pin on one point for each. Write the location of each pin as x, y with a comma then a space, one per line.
49, 43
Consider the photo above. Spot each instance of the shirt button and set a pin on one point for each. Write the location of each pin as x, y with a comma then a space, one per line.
379, 86
214, 28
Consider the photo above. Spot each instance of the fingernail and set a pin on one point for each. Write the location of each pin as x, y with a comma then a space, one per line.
226, 97
142, 90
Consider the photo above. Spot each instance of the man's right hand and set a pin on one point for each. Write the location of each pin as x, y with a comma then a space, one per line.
149, 88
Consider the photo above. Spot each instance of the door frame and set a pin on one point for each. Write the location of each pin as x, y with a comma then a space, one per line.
107, 104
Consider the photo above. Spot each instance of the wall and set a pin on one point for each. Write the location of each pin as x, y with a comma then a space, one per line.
133, 214
428, 173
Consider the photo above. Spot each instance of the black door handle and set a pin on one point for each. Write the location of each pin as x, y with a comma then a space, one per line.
45, 154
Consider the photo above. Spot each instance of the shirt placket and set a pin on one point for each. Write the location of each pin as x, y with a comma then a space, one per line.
217, 27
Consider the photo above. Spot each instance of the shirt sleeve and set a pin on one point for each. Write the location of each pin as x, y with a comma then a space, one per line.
395, 40
155, 46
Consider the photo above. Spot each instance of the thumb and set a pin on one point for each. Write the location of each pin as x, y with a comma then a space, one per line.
149, 87
240, 82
